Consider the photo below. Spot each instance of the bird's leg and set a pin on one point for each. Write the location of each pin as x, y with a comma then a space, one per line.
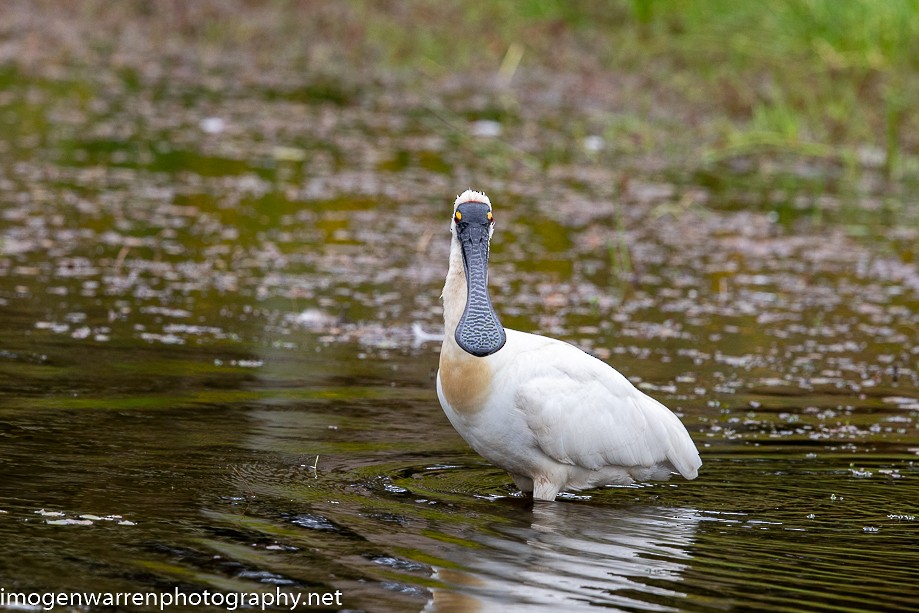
544, 489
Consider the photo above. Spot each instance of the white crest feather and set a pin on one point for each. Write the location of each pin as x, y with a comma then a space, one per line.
471, 196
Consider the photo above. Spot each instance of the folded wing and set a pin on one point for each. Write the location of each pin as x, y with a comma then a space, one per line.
583, 412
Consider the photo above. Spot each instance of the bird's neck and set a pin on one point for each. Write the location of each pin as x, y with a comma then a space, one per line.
454, 294
470, 321
464, 379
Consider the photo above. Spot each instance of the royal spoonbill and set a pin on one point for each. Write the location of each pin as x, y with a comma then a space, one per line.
551, 415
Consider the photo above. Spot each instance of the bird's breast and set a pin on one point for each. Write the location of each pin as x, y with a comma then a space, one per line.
465, 380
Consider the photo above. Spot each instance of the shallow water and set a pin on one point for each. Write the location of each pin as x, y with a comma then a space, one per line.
217, 361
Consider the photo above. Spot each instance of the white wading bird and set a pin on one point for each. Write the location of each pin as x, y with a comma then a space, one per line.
551, 415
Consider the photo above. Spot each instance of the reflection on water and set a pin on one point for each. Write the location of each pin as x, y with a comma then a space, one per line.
571, 557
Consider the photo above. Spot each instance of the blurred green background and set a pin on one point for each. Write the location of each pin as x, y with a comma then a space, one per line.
697, 80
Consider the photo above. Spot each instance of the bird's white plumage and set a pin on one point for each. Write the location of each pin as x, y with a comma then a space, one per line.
470, 195
551, 415
585, 413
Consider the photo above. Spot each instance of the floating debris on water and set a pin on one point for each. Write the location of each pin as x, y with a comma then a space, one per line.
264, 576
421, 336
485, 128
594, 143
313, 522
313, 319
247, 363
397, 563
212, 125
69, 522
84, 519
45, 513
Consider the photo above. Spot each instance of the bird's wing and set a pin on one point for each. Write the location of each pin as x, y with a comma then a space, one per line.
585, 413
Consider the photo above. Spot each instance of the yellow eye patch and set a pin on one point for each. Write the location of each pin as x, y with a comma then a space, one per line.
490, 218
458, 216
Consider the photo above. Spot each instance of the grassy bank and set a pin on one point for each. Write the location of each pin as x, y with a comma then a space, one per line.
700, 81
805, 75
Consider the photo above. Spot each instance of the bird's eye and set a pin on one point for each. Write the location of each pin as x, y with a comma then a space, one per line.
489, 216
457, 216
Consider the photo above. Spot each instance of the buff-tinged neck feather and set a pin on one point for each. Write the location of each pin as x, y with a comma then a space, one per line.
454, 294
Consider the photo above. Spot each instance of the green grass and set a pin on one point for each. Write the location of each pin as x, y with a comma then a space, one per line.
823, 79
703, 80
801, 69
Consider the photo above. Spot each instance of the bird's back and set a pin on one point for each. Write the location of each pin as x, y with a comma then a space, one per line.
582, 412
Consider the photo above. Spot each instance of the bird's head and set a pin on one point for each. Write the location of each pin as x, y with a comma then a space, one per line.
479, 332
472, 212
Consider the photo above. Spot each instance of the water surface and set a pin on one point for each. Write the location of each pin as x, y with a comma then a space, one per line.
217, 365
